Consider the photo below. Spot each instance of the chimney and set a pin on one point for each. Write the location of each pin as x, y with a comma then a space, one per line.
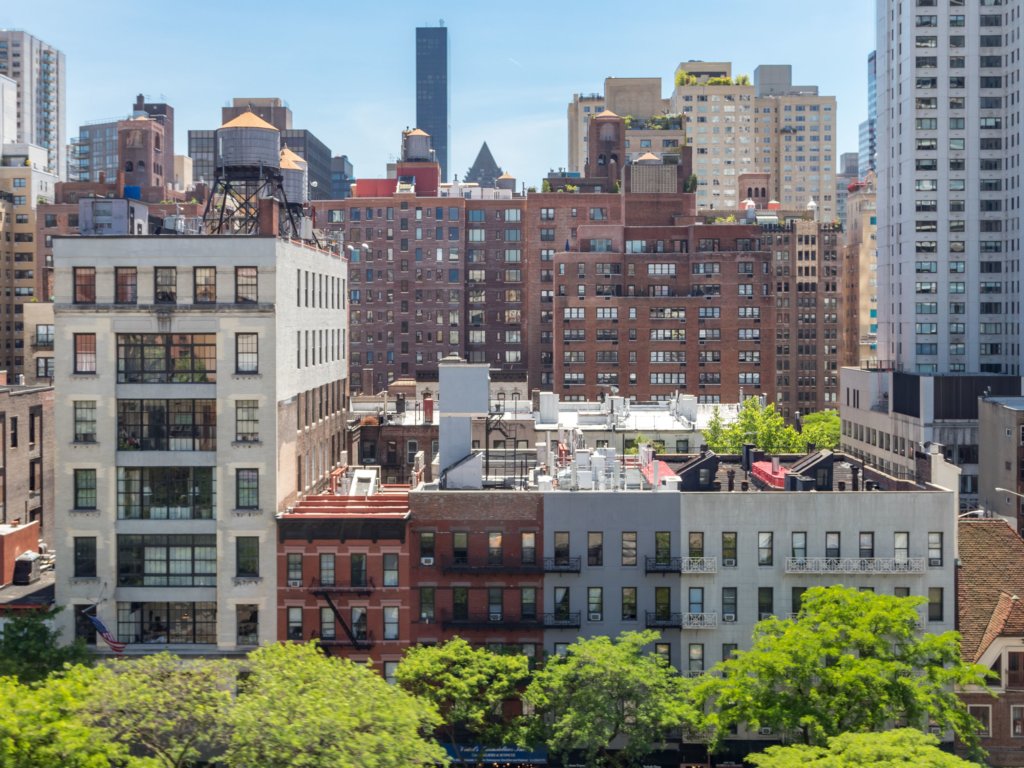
731, 475
269, 224
811, 448
775, 465
854, 470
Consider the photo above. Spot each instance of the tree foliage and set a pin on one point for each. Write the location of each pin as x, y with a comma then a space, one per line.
176, 709
767, 429
301, 709
901, 748
603, 690
44, 725
850, 661
30, 648
467, 686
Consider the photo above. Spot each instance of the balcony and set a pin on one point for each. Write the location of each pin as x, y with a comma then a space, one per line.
855, 565
700, 621
562, 620
664, 620
681, 564
361, 642
360, 587
42, 342
468, 565
490, 620
562, 565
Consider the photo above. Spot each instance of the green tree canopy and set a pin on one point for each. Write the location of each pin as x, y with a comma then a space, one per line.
762, 426
44, 726
821, 428
901, 748
301, 709
604, 690
30, 647
850, 661
467, 686
176, 709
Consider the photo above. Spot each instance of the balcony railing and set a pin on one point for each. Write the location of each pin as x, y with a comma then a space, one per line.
681, 564
489, 620
561, 565
664, 620
857, 565
458, 564
700, 620
360, 587
562, 620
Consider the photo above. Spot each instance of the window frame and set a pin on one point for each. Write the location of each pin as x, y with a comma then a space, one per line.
247, 281
250, 368
85, 359
247, 488
247, 557
83, 486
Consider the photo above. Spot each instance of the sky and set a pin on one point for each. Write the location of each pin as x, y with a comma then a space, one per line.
347, 69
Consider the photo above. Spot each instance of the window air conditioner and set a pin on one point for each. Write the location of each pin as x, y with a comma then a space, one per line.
593, 616
935, 561
294, 582
728, 562
494, 616
728, 617
426, 561
765, 731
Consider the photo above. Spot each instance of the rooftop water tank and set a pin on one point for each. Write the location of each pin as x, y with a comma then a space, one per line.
294, 177
248, 142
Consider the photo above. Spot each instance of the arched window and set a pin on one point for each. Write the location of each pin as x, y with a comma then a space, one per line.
128, 166
141, 165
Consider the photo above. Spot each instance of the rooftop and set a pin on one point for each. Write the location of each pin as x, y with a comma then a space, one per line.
249, 120
990, 584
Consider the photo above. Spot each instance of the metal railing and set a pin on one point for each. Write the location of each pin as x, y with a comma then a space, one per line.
858, 565
561, 565
560, 619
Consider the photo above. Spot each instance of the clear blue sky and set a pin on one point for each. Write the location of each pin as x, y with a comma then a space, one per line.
347, 68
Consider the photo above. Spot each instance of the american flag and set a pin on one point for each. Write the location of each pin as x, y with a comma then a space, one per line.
101, 628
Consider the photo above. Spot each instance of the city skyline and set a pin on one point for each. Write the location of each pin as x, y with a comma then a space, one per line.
513, 94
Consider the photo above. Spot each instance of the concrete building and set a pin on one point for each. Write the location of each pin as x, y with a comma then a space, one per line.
846, 176
432, 91
25, 187
171, 471
342, 176
8, 110
991, 624
948, 109
41, 76
860, 274
1001, 457
94, 153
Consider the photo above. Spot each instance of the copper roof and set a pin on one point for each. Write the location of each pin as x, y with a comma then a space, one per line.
606, 113
991, 579
291, 161
647, 157
416, 132
249, 120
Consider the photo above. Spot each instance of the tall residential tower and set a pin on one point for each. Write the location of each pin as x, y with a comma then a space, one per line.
432, 89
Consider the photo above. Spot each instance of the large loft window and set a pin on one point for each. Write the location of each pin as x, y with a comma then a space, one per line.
166, 493
151, 358
167, 425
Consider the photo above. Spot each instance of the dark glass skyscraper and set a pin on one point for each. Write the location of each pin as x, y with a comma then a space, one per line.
432, 90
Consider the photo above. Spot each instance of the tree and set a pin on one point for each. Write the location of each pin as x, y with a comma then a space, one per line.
545, 186
30, 647
821, 428
850, 661
691, 183
742, 79
762, 426
301, 709
892, 749
176, 709
714, 432
685, 78
603, 690
44, 726
467, 686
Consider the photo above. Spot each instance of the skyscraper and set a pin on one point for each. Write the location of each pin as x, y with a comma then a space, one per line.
40, 73
432, 89
868, 144
949, 111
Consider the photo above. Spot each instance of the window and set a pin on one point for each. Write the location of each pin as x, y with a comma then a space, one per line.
390, 569
85, 489
765, 602
85, 421
1017, 720
247, 489
696, 544
867, 545
561, 541
728, 549
390, 622
85, 285
159, 358
165, 285
729, 603
327, 570
935, 549
901, 546
832, 548
799, 548
494, 548
797, 598
595, 548
327, 624
247, 624
247, 358
696, 658
204, 285
983, 714
460, 547
460, 603
664, 652
662, 603
360, 631
629, 603
294, 566
191, 623
85, 557
167, 560
246, 285
696, 602
935, 597
765, 554
357, 569
528, 547
247, 422
595, 603
426, 546
662, 547
166, 425
629, 548
165, 493
528, 603
247, 556
295, 623
85, 353
426, 604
